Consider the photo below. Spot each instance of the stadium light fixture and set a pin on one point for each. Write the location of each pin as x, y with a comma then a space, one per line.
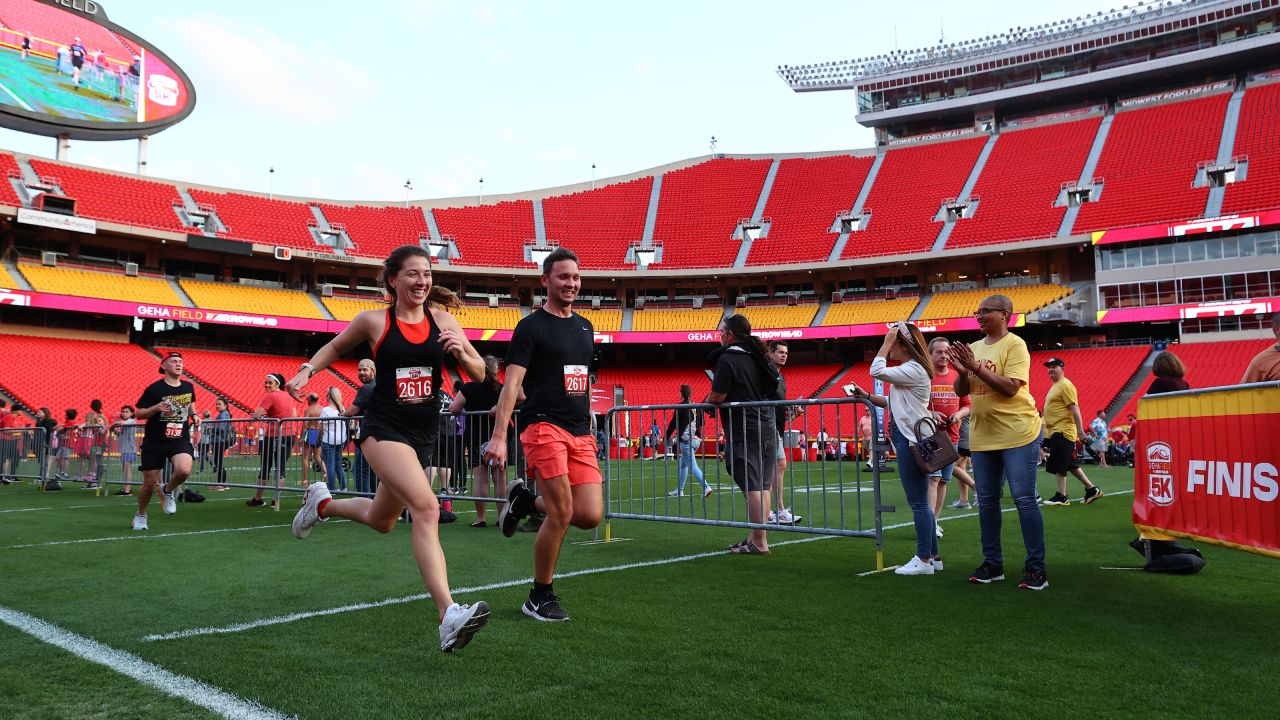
408, 186
271, 182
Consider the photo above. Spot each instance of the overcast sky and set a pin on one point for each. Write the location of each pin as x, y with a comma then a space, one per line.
349, 100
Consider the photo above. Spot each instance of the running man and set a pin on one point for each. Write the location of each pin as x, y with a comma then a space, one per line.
78, 54
549, 358
411, 340
165, 405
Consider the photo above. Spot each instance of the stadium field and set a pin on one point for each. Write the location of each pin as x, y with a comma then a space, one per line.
37, 86
664, 623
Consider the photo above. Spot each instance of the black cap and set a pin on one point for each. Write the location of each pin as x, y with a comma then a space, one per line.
1054, 361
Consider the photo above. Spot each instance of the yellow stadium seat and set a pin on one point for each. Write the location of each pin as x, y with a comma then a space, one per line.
665, 320
603, 320
779, 316
251, 299
487, 318
6, 280
104, 285
865, 312
346, 309
962, 303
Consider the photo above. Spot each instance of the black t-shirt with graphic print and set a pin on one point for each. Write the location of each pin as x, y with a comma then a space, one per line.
168, 427
556, 353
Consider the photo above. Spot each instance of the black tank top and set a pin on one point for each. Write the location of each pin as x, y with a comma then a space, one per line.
406, 395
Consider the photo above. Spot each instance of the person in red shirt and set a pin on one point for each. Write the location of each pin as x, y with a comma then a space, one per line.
949, 409
274, 449
9, 442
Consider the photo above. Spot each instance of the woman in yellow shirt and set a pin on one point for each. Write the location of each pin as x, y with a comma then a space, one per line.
1004, 437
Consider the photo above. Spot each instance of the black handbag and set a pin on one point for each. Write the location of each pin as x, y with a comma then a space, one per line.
934, 450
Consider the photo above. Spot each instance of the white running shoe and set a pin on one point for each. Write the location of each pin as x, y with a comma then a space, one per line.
167, 501
139, 522
784, 517
773, 516
707, 493
460, 623
309, 514
915, 567
937, 564
674, 493
937, 530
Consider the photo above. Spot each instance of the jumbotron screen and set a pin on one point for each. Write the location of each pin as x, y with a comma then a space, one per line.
73, 72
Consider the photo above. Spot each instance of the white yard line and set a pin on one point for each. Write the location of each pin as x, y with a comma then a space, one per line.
106, 503
294, 617
16, 99
172, 684
140, 535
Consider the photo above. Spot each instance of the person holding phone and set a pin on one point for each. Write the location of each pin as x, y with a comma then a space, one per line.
911, 378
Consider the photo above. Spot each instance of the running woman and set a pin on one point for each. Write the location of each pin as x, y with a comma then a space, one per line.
166, 405
411, 342
549, 357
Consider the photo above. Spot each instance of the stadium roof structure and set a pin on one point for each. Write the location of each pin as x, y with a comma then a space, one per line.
1092, 50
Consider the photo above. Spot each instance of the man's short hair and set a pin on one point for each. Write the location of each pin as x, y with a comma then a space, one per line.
775, 344
560, 253
938, 339
366, 362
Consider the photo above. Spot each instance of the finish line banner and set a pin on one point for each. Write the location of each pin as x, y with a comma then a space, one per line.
1208, 467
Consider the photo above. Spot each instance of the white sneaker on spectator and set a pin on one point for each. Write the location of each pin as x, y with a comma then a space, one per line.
959, 505
915, 567
707, 493
938, 530
786, 518
139, 522
773, 516
309, 514
168, 502
460, 623
674, 493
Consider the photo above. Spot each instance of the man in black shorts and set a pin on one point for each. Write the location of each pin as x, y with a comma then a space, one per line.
166, 405
77, 61
549, 358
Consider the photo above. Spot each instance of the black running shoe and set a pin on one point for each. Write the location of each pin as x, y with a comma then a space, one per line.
545, 609
519, 504
987, 573
1091, 494
1057, 499
1033, 579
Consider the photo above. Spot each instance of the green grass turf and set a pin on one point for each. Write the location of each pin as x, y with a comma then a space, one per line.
41, 87
797, 633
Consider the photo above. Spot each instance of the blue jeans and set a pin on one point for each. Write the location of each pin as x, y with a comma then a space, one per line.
360, 468
916, 485
1017, 465
332, 455
688, 463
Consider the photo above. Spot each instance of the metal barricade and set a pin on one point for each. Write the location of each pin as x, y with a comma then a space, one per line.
738, 447
24, 454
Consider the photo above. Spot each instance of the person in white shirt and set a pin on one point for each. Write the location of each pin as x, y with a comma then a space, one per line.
333, 438
912, 380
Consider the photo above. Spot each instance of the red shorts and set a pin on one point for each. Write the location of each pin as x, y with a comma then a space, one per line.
553, 452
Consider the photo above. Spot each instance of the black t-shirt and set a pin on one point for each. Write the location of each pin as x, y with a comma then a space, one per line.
556, 353
740, 377
163, 427
480, 400
363, 395
1167, 385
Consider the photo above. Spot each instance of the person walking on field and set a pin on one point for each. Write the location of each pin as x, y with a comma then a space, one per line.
550, 357
1004, 439
684, 431
1065, 427
411, 340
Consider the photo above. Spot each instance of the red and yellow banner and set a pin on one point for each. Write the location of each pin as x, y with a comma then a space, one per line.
1208, 467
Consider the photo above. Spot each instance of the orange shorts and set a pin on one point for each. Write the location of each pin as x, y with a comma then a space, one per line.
553, 452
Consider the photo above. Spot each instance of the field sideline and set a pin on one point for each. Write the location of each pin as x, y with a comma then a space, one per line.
664, 624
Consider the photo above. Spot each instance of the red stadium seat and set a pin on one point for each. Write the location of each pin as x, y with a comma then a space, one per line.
25, 373
1022, 179
807, 195
1256, 139
8, 166
908, 192
700, 207
117, 198
600, 225
1210, 364
376, 231
263, 220
1149, 164
489, 235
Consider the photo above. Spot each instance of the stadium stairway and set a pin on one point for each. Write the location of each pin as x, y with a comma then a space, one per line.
837, 250
823, 308
651, 216
180, 291
830, 382
626, 319
1230, 124
1086, 173
324, 311
925, 297
12, 269
744, 250
1131, 388
965, 192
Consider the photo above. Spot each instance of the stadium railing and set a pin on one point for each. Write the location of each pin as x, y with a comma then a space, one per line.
824, 483
23, 454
